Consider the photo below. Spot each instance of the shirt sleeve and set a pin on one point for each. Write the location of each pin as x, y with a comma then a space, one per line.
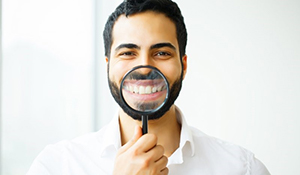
256, 167
48, 162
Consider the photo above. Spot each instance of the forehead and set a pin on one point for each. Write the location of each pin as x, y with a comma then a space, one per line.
144, 29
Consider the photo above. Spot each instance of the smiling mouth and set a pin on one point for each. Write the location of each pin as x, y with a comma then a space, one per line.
144, 87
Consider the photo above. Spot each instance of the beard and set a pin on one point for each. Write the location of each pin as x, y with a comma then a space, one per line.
174, 93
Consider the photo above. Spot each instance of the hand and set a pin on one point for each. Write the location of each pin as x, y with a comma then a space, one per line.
141, 156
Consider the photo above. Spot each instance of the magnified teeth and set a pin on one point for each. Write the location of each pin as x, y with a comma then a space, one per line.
148, 90
135, 89
154, 89
142, 90
159, 88
130, 88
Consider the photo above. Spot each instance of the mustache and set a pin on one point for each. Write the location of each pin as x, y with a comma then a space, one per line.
152, 75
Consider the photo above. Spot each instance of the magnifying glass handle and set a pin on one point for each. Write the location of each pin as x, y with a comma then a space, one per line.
144, 124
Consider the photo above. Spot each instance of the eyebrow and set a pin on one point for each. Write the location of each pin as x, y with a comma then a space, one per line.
155, 46
127, 45
160, 45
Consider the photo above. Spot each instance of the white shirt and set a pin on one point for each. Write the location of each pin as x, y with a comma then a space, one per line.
198, 154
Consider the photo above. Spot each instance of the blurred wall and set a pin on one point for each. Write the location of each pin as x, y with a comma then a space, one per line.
48, 76
0, 84
244, 71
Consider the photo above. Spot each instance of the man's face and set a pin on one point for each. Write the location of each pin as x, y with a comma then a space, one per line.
146, 38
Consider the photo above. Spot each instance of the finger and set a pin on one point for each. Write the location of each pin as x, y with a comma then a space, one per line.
145, 143
165, 171
156, 152
161, 164
137, 134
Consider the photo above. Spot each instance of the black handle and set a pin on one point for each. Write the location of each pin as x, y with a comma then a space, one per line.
144, 124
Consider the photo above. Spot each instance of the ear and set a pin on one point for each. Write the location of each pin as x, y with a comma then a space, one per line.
184, 63
107, 63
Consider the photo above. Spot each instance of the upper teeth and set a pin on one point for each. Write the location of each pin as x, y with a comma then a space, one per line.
144, 89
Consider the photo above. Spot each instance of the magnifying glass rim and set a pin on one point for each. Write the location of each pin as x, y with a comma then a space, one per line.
151, 111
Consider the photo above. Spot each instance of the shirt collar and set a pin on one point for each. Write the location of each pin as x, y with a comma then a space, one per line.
186, 145
186, 135
112, 139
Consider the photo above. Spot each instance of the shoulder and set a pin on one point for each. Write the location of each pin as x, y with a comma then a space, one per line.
87, 142
212, 143
227, 154
54, 152
53, 158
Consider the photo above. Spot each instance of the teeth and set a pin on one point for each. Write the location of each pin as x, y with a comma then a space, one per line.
135, 89
159, 88
148, 90
154, 89
143, 89
131, 89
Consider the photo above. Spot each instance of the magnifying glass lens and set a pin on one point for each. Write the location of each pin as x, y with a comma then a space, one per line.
144, 89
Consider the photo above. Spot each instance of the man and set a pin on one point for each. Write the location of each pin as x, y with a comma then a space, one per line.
146, 32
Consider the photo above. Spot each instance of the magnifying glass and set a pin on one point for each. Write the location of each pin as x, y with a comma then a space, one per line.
144, 90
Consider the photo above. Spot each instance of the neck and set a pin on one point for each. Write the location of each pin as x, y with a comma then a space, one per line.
166, 128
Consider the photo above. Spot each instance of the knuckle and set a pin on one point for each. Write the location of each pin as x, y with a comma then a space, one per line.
146, 163
152, 137
134, 152
165, 159
161, 149
131, 155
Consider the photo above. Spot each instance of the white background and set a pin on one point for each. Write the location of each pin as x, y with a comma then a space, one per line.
242, 83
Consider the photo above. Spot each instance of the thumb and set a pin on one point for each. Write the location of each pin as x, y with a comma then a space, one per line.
137, 134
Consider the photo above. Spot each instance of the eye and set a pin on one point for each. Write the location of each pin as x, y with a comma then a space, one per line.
127, 54
162, 53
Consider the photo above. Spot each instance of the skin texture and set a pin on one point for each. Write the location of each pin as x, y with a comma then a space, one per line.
142, 35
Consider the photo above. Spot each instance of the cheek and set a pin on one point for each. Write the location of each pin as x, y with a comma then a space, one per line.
114, 74
117, 71
172, 72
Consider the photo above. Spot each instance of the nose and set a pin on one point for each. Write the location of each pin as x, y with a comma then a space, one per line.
145, 71
145, 60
